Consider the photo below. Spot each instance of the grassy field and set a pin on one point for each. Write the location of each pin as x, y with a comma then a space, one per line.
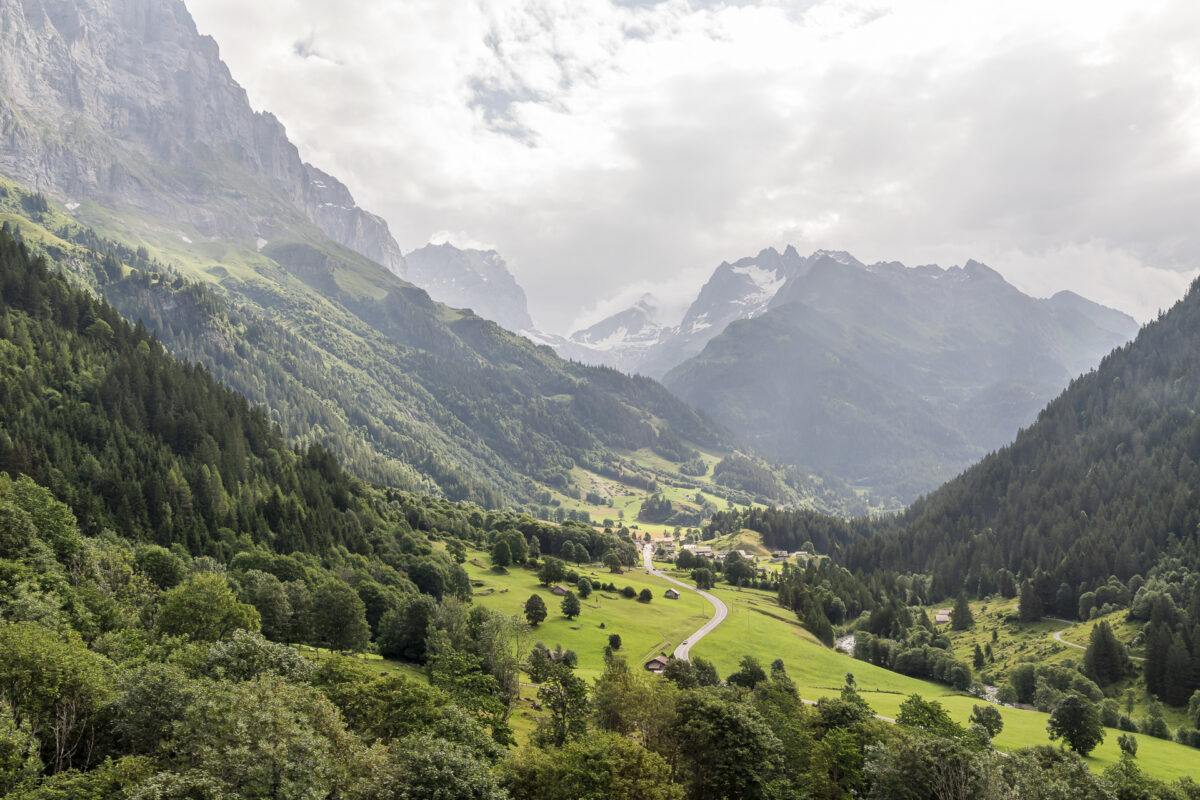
1016, 642
623, 501
646, 629
757, 626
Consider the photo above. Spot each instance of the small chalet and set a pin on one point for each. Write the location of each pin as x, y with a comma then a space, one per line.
941, 616
704, 551
671, 594
657, 664
558, 589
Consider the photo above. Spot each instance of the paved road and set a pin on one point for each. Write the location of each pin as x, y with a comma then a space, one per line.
720, 610
1058, 635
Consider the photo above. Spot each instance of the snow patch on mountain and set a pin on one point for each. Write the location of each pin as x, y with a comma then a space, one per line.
767, 282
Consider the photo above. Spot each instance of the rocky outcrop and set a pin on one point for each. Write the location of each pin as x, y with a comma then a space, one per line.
474, 279
124, 103
636, 341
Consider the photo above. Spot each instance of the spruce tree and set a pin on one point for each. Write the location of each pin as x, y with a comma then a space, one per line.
1106, 660
1030, 604
1176, 685
961, 618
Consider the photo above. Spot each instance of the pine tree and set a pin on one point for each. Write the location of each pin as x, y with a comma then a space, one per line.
1106, 660
1030, 604
1176, 685
977, 660
961, 618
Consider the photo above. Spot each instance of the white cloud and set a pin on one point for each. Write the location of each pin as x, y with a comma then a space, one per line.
609, 149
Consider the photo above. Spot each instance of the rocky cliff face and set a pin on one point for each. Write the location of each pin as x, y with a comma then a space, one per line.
124, 103
634, 341
474, 279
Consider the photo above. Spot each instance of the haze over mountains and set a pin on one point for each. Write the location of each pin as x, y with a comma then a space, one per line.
894, 378
889, 378
885, 376
126, 115
474, 279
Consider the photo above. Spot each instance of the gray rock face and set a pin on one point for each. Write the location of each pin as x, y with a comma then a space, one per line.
124, 103
622, 341
632, 342
474, 279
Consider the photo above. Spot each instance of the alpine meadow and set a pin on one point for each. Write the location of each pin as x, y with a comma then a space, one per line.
562, 473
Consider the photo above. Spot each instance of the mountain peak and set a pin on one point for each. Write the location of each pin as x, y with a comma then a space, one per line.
127, 105
475, 279
840, 256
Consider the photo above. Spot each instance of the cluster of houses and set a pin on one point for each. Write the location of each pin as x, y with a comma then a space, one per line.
560, 590
706, 551
941, 616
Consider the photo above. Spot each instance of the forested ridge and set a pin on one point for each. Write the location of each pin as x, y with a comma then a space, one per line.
1103, 483
406, 391
1093, 508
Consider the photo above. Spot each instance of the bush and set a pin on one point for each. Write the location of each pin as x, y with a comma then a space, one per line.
645, 596
614, 641
629, 591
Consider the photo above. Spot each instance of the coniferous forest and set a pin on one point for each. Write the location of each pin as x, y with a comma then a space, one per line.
163, 550
1093, 508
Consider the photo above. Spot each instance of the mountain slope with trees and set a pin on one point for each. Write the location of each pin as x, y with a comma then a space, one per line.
894, 378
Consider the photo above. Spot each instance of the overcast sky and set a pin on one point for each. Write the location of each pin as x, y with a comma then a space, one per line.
608, 149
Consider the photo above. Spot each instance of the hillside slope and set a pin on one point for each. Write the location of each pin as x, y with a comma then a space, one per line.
1103, 483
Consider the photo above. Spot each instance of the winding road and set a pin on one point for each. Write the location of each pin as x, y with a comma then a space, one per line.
1068, 623
720, 610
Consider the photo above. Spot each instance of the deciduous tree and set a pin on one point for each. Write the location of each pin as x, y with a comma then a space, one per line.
1076, 722
535, 609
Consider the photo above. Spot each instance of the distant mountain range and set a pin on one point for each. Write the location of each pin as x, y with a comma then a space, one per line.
889, 377
636, 340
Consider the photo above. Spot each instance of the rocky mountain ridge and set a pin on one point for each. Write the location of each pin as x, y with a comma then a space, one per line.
632, 341
894, 378
474, 279
125, 104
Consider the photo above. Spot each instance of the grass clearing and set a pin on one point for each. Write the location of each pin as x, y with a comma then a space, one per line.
757, 626
646, 629
1018, 642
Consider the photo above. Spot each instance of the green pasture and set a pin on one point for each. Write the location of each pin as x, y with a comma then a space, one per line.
757, 626
646, 629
